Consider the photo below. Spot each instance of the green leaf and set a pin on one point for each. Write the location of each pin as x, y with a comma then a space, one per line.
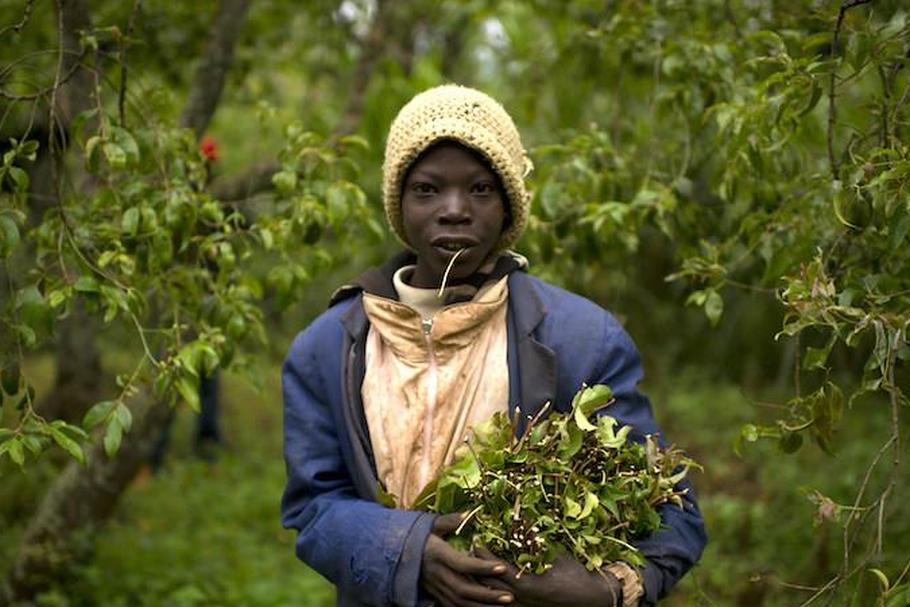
815, 358
10, 378
86, 284
571, 442
124, 417
68, 445
549, 199
285, 182
581, 420
790, 442
188, 387
900, 227
33, 443
115, 155
129, 223
814, 98
127, 143
28, 149
112, 438
20, 178
388, 499
592, 398
466, 471
882, 579
899, 596
571, 508
9, 236
355, 141
33, 309
591, 502
91, 159
80, 120
267, 238
748, 433
337, 200
714, 307
98, 413
14, 448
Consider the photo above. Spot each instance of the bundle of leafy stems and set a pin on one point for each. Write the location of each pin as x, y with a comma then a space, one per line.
570, 484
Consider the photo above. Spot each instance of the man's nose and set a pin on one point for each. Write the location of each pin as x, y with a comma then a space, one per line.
456, 207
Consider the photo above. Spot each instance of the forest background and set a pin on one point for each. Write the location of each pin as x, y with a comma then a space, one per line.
184, 184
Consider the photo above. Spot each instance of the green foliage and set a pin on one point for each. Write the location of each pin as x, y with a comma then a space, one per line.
566, 485
147, 248
722, 151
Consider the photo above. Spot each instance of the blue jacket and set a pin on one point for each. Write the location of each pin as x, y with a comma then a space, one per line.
556, 342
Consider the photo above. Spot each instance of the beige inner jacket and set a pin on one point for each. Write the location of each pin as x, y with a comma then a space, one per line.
430, 377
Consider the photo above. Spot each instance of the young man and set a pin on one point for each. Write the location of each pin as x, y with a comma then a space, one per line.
385, 385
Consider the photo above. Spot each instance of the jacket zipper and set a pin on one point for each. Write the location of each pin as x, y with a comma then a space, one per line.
432, 389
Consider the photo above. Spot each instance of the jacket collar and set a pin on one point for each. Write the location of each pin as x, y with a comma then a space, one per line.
532, 364
526, 305
378, 281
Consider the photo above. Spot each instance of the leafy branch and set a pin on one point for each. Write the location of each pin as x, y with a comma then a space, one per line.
566, 485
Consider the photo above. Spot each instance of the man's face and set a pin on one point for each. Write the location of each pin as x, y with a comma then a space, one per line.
451, 200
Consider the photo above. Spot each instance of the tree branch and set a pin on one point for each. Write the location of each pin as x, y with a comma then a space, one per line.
250, 182
832, 108
208, 83
26, 15
371, 49
121, 96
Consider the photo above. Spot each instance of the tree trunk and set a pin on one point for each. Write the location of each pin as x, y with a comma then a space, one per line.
81, 500
391, 35
217, 58
376, 44
80, 376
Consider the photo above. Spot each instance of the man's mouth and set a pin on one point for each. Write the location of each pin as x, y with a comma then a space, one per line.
453, 245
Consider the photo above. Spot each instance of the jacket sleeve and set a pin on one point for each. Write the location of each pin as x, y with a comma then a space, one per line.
370, 552
677, 546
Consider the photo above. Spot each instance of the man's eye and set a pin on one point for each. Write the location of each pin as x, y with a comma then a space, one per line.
422, 188
485, 188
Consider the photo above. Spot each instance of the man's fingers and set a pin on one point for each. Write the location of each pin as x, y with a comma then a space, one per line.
460, 591
461, 562
484, 553
500, 583
476, 593
447, 523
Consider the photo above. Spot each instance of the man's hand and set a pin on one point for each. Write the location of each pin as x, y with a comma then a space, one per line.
567, 584
448, 574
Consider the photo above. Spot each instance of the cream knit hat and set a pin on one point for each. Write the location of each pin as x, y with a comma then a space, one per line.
471, 118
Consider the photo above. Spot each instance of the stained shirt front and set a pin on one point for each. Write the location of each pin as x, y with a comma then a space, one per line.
432, 373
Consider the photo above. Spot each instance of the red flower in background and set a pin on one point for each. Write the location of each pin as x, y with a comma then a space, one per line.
209, 148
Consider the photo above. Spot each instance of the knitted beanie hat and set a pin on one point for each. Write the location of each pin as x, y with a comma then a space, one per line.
473, 119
